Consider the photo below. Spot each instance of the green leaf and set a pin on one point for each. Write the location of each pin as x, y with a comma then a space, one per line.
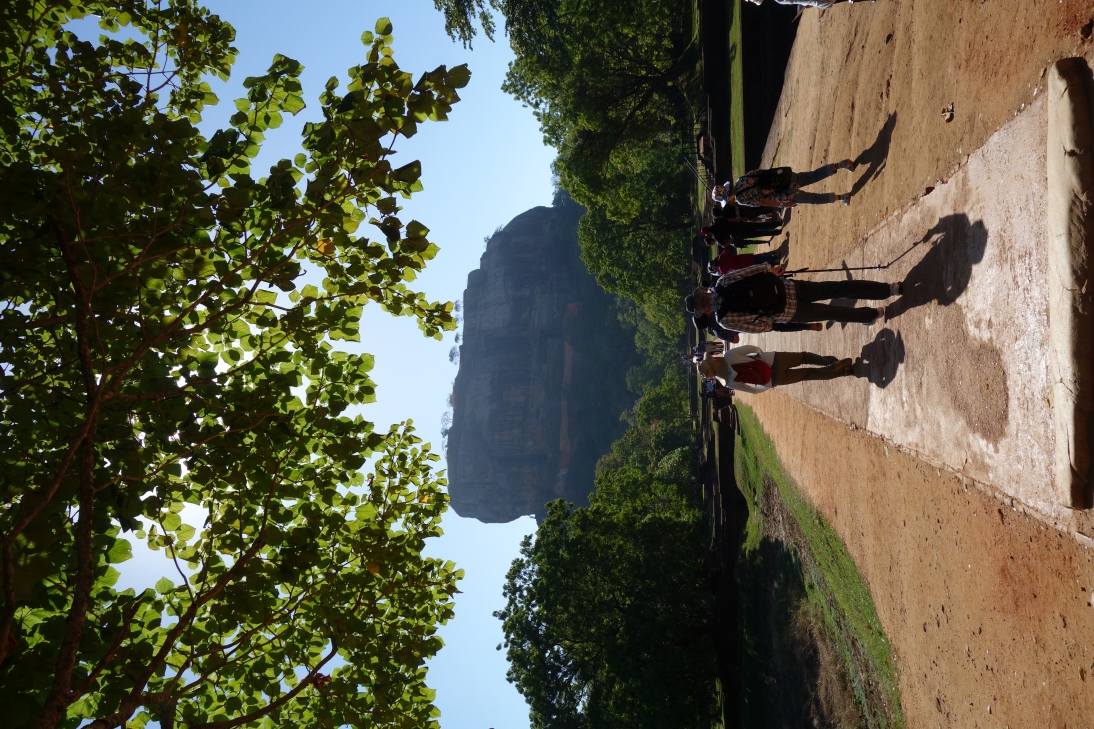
383, 26
459, 76
414, 229
266, 297
108, 578
120, 552
293, 104
164, 586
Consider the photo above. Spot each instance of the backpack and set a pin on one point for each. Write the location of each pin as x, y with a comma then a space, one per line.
761, 293
776, 178
756, 372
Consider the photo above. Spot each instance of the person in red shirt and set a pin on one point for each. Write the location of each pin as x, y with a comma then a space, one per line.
730, 259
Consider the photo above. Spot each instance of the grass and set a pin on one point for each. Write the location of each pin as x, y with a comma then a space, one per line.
815, 577
736, 92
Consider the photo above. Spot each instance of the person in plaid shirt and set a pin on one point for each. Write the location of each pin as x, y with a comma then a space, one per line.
756, 298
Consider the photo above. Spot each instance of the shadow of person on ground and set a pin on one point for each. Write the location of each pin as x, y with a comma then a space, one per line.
881, 358
875, 155
943, 274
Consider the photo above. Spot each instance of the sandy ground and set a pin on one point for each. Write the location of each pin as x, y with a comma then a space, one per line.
936, 469
984, 606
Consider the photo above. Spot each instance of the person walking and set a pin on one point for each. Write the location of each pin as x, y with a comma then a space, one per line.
750, 369
730, 260
725, 229
707, 323
780, 187
756, 298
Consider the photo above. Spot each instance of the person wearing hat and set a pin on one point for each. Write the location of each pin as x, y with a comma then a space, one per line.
730, 259
779, 187
750, 369
756, 298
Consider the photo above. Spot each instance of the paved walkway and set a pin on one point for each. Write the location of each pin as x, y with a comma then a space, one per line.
958, 374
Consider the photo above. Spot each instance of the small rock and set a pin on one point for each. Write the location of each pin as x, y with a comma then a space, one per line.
947, 113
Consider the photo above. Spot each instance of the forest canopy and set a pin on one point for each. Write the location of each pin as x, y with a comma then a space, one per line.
170, 322
607, 615
607, 619
612, 93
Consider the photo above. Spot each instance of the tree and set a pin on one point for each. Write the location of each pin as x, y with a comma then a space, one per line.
607, 611
607, 88
633, 236
607, 608
460, 17
660, 428
582, 64
168, 326
598, 80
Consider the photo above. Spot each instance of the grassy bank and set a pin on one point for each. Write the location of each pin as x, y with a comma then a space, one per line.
812, 644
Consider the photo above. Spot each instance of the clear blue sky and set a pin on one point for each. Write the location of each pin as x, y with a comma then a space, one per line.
480, 169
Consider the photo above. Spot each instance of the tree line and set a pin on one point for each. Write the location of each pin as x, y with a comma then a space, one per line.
607, 617
608, 614
610, 90
170, 321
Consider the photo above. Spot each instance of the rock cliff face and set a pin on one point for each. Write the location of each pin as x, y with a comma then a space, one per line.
541, 382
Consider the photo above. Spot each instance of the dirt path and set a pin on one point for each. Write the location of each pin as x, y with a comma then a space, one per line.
869, 81
984, 606
988, 609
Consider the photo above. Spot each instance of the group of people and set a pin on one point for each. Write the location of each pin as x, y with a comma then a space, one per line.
802, 4
753, 294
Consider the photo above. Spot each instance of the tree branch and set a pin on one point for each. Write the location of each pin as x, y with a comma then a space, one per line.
273, 705
60, 695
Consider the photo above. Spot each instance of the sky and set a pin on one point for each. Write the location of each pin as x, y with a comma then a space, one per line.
480, 169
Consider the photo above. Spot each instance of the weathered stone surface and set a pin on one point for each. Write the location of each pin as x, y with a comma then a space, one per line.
541, 382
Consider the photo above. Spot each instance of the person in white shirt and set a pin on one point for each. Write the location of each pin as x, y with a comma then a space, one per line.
750, 369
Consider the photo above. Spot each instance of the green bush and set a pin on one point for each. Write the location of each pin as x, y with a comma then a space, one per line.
608, 612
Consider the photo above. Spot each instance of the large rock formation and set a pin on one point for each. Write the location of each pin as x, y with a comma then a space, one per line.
541, 382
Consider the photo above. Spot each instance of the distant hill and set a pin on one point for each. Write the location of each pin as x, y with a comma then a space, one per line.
542, 378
